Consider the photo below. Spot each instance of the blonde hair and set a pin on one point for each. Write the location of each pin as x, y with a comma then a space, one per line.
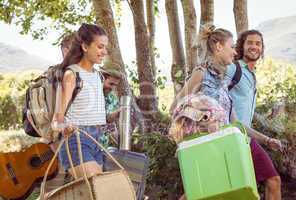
176, 131
196, 113
207, 39
179, 128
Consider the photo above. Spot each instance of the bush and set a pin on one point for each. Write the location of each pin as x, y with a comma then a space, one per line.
164, 178
9, 117
12, 96
277, 88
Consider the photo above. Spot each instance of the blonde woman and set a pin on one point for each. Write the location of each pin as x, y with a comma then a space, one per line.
217, 51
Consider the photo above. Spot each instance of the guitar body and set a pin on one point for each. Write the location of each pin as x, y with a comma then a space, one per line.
21, 171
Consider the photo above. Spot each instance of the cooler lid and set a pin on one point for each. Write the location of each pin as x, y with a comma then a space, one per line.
208, 138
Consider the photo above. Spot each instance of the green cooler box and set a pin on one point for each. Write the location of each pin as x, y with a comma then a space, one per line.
218, 166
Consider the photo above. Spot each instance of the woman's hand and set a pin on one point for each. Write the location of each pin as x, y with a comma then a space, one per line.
63, 128
191, 86
68, 131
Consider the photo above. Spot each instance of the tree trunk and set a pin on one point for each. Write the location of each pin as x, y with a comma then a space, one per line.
151, 31
104, 17
148, 101
190, 34
178, 72
240, 10
207, 12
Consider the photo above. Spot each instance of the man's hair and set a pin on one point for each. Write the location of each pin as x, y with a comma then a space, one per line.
111, 70
67, 40
241, 41
106, 76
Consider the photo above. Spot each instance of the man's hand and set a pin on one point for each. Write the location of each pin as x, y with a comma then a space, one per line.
274, 144
113, 116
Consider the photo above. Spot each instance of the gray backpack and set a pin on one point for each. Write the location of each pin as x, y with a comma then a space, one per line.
40, 102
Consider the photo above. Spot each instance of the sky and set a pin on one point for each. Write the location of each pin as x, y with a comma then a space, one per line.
258, 11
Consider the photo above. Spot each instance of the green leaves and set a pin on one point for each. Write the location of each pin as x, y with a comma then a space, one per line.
179, 73
12, 95
37, 17
276, 82
161, 81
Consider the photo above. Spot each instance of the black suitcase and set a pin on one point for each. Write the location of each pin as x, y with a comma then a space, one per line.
136, 165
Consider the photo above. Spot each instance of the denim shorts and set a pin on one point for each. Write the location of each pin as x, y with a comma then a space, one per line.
90, 150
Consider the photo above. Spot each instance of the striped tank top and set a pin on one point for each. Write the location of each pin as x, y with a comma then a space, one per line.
88, 108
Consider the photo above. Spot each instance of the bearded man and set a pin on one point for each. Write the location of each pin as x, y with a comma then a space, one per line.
250, 48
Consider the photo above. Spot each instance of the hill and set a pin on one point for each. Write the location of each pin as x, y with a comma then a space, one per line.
279, 35
13, 59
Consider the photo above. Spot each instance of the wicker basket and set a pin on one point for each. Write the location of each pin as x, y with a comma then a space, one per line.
112, 185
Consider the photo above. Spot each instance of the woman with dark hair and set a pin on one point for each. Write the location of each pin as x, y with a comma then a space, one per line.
87, 111
216, 53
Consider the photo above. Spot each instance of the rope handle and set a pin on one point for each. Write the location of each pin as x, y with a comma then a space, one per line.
103, 148
42, 188
65, 141
83, 167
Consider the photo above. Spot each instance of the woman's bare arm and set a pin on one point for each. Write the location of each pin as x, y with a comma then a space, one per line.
67, 88
191, 86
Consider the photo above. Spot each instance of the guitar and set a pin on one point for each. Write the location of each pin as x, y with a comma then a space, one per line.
21, 172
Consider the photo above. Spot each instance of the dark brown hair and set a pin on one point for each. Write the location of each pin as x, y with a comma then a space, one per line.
85, 34
241, 41
67, 40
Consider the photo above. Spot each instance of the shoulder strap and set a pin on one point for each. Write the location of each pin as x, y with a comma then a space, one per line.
236, 77
100, 74
78, 84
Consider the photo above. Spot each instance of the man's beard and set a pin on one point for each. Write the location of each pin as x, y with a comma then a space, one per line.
248, 58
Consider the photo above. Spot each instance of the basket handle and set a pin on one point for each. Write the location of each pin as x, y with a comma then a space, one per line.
65, 141
103, 148
42, 190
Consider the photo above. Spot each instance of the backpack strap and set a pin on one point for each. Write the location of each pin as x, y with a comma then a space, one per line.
100, 74
237, 75
78, 85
